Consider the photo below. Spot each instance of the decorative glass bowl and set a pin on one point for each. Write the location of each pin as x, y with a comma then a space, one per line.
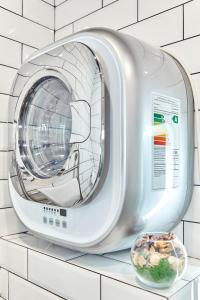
159, 259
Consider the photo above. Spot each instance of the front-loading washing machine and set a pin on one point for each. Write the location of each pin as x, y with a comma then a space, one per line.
103, 141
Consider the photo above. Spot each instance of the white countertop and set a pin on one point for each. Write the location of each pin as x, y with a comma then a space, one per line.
113, 272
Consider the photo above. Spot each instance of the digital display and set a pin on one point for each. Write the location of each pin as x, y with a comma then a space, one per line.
63, 212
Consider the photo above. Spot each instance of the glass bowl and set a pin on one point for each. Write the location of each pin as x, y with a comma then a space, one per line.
159, 259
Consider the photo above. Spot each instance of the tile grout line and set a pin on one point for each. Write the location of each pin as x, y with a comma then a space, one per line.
195, 73
100, 287
32, 249
75, 257
183, 22
137, 287
188, 282
111, 3
79, 18
3, 236
157, 14
8, 285
22, 8
23, 17
22, 50
118, 260
196, 259
188, 38
47, 3
54, 15
4, 65
8, 122
61, 3
98, 9
33, 283
5, 94
16, 41
27, 261
194, 222
5, 207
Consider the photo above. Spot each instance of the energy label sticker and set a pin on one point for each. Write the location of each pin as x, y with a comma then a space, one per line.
165, 141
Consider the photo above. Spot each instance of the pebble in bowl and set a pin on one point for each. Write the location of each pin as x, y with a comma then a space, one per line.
159, 259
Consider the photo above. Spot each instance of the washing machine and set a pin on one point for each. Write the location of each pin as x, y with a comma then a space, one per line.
103, 141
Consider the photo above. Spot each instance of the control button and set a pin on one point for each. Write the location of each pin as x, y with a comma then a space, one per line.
63, 212
51, 221
64, 224
45, 220
57, 222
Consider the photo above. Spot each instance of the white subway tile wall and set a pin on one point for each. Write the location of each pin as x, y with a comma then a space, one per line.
72, 10
10, 53
20, 289
4, 283
13, 258
192, 241
38, 11
106, 2
188, 52
36, 269
112, 289
51, 2
192, 20
158, 30
58, 2
27, 51
24, 27
5, 158
23, 30
7, 75
9, 223
116, 15
62, 279
65, 31
156, 6
5, 200
15, 6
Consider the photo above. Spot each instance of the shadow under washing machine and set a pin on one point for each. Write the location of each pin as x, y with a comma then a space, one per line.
103, 141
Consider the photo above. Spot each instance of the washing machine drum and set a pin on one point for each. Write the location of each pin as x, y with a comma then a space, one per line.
103, 141
60, 123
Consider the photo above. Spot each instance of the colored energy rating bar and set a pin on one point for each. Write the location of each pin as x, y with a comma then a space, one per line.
158, 119
160, 140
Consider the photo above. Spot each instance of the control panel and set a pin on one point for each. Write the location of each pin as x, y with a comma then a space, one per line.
54, 216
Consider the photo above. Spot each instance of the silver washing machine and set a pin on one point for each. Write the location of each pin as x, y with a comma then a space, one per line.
103, 141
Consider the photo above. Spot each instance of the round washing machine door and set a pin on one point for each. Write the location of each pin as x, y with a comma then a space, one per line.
59, 126
45, 127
